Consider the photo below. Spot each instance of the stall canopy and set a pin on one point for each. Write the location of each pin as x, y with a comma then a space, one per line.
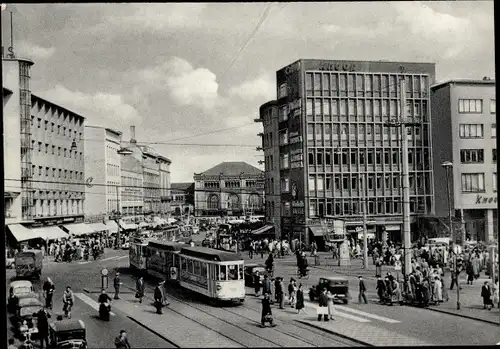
127, 226
22, 233
79, 229
50, 233
98, 227
112, 226
267, 229
318, 231
143, 225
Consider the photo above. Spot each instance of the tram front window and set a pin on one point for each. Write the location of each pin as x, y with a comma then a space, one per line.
222, 273
232, 272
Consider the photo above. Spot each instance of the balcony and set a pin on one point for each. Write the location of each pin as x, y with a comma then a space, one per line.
166, 198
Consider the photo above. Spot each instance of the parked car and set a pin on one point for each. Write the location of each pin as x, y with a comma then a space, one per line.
25, 317
10, 263
18, 290
68, 333
338, 286
250, 270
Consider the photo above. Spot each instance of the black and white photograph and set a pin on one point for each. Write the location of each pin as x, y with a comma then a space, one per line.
250, 174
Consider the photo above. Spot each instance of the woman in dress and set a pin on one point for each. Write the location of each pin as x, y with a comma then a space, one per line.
396, 291
437, 294
329, 304
495, 294
299, 304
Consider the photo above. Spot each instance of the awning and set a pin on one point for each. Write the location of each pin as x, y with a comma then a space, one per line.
79, 229
263, 230
50, 233
143, 225
98, 227
127, 226
318, 231
112, 226
21, 233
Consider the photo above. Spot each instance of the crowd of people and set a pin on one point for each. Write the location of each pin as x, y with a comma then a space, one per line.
67, 250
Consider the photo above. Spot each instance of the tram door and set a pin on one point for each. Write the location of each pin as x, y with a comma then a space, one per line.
212, 277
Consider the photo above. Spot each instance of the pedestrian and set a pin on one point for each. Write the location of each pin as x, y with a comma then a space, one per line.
139, 289
48, 288
299, 304
68, 301
437, 291
266, 285
121, 341
486, 295
380, 290
378, 267
158, 298
267, 314
323, 306
43, 327
396, 291
116, 285
331, 309
256, 283
388, 290
11, 344
362, 290
291, 292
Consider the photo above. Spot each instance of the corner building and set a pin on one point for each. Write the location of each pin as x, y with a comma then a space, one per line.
464, 123
332, 138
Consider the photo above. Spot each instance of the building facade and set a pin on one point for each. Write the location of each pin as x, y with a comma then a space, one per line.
336, 153
229, 189
464, 124
182, 199
58, 161
132, 189
268, 115
102, 171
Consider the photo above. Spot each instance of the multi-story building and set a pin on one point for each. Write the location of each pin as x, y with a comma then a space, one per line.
132, 190
182, 199
155, 177
229, 188
464, 133
336, 152
102, 171
268, 114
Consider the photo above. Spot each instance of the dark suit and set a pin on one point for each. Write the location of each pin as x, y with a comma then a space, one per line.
362, 290
158, 295
486, 295
116, 285
266, 310
323, 302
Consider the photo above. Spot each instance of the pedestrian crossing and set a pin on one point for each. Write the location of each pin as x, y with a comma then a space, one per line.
115, 258
353, 314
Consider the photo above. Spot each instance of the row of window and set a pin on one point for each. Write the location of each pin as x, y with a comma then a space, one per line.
229, 184
340, 182
379, 84
112, 152
111, 187
61, 130
112, 170
475, 106
338, 131
60, 150
131, 181
474, 182
42, 194
58, 173
468, 131
112, 205
43, 208
223, 272
132, 194
475, 156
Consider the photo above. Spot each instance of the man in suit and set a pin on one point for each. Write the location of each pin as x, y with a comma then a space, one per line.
267, 315
158, 296
486, 295
323, 303
266, 285
116, 285
362, 290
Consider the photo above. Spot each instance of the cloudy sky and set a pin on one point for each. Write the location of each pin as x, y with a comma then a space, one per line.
168, 68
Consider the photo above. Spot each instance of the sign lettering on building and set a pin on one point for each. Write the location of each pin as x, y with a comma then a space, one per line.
486, 200
295, 107
296, 158
298, 211
298, 204
294, 140
337, 66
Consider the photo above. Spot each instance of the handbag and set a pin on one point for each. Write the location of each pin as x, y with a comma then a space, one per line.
137, 295
322, 311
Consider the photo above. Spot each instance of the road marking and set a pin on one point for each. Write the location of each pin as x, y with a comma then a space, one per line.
107, 259
338, 313
89, 301
117, 258
362, 313
83, 262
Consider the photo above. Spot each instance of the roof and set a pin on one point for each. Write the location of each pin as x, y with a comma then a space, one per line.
6, 91
21, 283
269, 104
232, 168
67, 325
35, 97
181, 186
29, 302
119, 133
462, 82
211, 254
167, 245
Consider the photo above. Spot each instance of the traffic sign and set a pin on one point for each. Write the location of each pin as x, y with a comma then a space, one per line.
104, 271
397, 265
173, 273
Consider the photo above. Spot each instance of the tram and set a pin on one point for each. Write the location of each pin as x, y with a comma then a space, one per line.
137, 255
160, 258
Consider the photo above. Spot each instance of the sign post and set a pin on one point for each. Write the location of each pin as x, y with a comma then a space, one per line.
104, 278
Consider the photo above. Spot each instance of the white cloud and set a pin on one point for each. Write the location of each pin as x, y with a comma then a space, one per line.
185, 84
261, 87
104, 109
162, 16
34, 52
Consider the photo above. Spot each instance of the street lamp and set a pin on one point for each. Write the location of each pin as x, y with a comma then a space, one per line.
447, 165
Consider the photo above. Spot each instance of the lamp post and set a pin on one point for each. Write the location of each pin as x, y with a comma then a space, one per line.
447, 165
220, 194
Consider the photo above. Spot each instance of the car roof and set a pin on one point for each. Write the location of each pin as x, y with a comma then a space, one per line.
27, 302
21, 283
67, 325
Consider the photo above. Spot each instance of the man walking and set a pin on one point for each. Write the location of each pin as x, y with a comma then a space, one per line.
139, 289
116, 285
158, 296
362, 290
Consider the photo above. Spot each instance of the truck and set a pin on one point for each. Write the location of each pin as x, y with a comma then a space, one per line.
29, 264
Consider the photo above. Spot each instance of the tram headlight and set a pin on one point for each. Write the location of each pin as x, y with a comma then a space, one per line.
218, 287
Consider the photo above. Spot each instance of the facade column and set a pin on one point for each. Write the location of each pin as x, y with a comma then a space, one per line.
44, 208
489, 226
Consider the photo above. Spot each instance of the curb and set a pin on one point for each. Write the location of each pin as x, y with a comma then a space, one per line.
463, 316
335, 333
153, 331
98, 290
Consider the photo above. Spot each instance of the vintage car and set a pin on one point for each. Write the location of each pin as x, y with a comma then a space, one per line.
68, 333
18, 290
25, 318
338, 286
250, 269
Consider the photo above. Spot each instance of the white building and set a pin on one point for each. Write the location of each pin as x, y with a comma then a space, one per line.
102, 170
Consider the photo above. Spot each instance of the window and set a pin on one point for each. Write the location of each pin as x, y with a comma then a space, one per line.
493, 130
46, 148
312, 183
493, 106
282, 90
46, 171
309, 107
494, 155
64, 152
39, 146
232, 272
39, 124
285, 184
53, 149
52, 127
471, 131
472, 182
471, 156
46, 125
283, 113
470, 106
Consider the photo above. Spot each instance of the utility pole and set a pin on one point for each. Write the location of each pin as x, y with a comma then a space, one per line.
401, 125
365, 233
117, 217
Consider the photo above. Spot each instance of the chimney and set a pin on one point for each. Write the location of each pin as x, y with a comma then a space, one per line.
132, 135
